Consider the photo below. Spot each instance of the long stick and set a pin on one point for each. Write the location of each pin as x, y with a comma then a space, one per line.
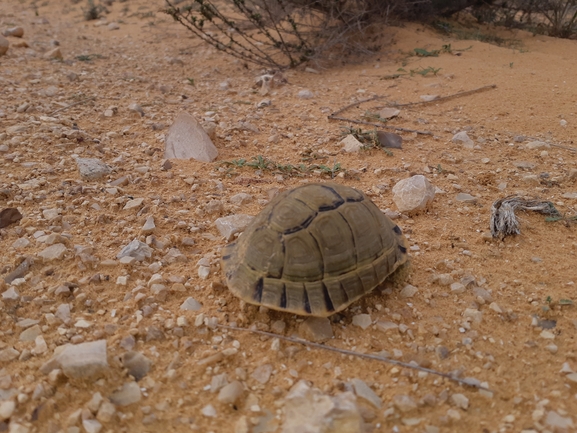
82, 101
380, 125
444, 98
467, 382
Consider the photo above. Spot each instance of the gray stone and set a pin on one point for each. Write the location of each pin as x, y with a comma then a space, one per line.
148, 226
187, 139
133, 204
12, 294
229, 394
20, 243
390, 140
316, 329
262, 374
386, 326
53, 252
363, 391
308, 410
408, 291
63, 312
557, 421
91, 425
106, 412
230, 225
466, 198
457, 288
460, 401
30, 334
92, 168
350, 144
218, 381
84, 360
413, 194
53, 54
428, 98
191, 304
463, 137
363, 321
129, 393
389, 112
305, 94
137, 364
404, 403
570, 195
537, 145
241, 198
138, 250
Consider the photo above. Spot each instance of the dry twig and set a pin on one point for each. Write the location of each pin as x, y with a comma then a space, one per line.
380, 125
82, 101
503, 219
444, 98
466, 381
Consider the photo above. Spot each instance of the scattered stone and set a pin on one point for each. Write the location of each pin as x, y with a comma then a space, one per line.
408, 291
17, 32
30, 334
80, 361
7, 409
136, 108
493, 306
138, 250
351, 144
389, 112
262, 374
557, 421
363, 391
463, 137
570, 195
113, 26
91, 425
404, 403
137, 364
363, 321
129, 393
307, 409
208, 411
92, 168
413, 194
187, 139
429, 98
537, 145
390, 140
230, 225
8, 354
466, 198
460, 401
229, 394
241, 198
458, 288
191, 304
316, 329
53, 54
305, 94
475, 315
385, 326
9, 216
106, 412
53, 252
133, 204
4, 45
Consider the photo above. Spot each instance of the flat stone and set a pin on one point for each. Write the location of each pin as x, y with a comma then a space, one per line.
537, 145
316, 329
187, 139
106, 412
84, 360
230, 225
525, 165
54, 54
208, 411
137, 364
363, 321
262, 374
129, 394
92, 168
350, 144
570, 195
458, 288
241, 198
91, 425
463, 137
389, 112
12, 294
408, 291
460, 401
53, 252
30, 334
404, 403
8, 354
466, 198
385, 326
428, 98
363, 391
191, 304
413, 194
308, 410
133, 204
475, 315
229, 394
305, 94
137, 249
557, 421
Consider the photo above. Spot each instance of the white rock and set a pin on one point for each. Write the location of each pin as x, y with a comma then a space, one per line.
316, 329
138, 250
230, 393
55, 54
557, 421
230, 225
92, 168
460, 401
191, 304
351, 144
187, 139
262, 374
413, 194
148, 226
31, 333
106, 412
537, 145
91, 425
463, 137
133, 204
408, 291
129, 393
457, 288
80, 361
7, 409
475, 315
305, 94
404, 403
363, 391
363, 321
12, 294
209, 411
428, 98
308, 410
241, 198
53, 252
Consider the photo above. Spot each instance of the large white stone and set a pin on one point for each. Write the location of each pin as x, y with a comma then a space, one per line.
80, 361
187, 139
413, 194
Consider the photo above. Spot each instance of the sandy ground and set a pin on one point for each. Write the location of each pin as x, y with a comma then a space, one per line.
148, 60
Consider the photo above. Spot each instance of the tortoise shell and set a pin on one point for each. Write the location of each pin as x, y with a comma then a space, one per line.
313, 250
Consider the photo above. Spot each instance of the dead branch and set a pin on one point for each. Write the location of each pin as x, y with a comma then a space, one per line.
82, 101
467, 381
444, 98
503, 219
379, 125
362, 101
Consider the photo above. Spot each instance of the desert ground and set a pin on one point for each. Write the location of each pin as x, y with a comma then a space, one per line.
500, 312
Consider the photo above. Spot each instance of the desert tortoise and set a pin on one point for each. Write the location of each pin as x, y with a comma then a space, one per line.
313, 250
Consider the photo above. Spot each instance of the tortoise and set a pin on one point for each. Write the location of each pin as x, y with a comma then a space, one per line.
313, 250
